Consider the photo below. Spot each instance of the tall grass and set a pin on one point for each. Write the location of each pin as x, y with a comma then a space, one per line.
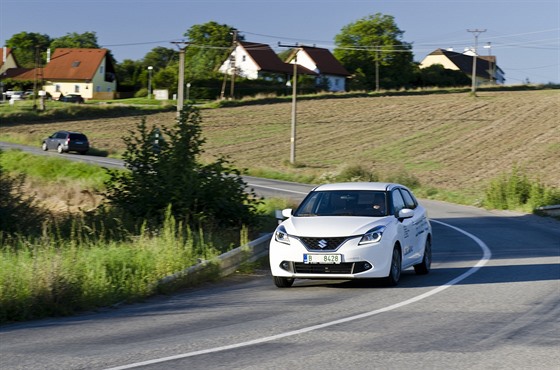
517, 191
52, 276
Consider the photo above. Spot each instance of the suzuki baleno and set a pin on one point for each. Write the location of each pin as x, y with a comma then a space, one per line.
352, 231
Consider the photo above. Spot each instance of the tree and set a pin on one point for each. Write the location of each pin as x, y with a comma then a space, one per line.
160, 58
437, 75
26, 45
376, 39
164, 172
87, 40
210, 46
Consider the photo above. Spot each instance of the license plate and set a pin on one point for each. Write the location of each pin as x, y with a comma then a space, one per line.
322, 258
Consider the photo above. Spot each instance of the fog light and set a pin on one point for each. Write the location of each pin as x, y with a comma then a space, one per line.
285, 265
367, 266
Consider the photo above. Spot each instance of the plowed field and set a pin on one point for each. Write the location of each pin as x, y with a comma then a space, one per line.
453, 141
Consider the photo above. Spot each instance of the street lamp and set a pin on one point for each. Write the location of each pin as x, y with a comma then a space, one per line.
150, 68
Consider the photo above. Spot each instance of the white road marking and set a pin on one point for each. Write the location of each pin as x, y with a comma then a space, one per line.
487, 254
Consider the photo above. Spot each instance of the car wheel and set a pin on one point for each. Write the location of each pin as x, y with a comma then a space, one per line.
44, 146
59, 149
283, 282
395, 270
424, 267
83, 152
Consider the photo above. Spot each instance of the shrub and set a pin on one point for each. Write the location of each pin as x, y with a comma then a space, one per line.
517, 191
165, 171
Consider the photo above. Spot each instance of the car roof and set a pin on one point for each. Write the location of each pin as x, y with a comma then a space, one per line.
378, 186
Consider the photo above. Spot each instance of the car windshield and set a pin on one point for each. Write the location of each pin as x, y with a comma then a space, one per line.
366, 203
81, 137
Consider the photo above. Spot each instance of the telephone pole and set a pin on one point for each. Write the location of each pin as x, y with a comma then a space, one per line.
294, 102
181, 83
475, 32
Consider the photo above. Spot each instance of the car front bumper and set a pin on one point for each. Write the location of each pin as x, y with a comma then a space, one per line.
356, 261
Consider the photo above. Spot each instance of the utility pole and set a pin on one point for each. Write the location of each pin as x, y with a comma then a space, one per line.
475, 32
490, 66
234, 69
294, 104
181, 83
377, 68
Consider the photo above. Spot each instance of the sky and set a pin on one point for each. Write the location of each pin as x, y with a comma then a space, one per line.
524, 35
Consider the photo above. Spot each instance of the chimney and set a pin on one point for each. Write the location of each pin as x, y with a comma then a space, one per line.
48, 55
4, 54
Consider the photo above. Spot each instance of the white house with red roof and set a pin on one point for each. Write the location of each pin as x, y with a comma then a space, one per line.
87, 72
254, 60
321, 61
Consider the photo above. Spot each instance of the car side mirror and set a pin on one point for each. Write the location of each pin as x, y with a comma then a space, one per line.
287, 212
405, 213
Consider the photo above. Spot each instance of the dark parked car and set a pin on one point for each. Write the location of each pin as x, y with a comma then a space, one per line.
66, 141
71, 98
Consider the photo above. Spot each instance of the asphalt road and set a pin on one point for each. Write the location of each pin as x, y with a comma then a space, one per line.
492, 301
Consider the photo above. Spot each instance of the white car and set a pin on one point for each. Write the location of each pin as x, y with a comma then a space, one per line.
352, 231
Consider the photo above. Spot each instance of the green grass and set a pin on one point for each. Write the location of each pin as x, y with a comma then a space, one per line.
50, 276
53, 170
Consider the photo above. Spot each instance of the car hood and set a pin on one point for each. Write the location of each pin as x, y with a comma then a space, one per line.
332, 226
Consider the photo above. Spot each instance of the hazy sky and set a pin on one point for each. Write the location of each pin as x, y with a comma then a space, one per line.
524, 35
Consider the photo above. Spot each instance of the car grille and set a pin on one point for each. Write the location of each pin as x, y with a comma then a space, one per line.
340, 268
322, 244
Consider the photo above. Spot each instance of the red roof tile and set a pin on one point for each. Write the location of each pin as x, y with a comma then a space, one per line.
74, 64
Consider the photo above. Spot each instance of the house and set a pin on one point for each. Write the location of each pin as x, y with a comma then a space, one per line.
254, 60
321, 61
487, 70
88, 72
8, 60
9, 67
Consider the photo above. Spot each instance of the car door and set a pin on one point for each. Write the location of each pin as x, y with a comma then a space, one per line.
405, 228
418, 223
51, 141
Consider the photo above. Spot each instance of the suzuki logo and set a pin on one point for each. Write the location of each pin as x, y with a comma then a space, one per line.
322, 243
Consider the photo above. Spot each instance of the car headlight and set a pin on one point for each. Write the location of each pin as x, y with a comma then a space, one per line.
281, 236
373, 236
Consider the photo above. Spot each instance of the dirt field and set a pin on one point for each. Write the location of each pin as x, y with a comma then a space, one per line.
452, 142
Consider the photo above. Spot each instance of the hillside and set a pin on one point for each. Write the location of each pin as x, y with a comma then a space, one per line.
450, 141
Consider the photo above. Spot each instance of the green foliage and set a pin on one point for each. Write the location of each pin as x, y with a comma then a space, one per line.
164, 170
26, 46
517, 191
18, 213
53, 276
376, 38
210, 44
437, 75
87, 40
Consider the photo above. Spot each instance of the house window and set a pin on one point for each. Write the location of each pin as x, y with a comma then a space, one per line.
57, 88
97, 88
76, 64
76, 88
101, 70
244, 58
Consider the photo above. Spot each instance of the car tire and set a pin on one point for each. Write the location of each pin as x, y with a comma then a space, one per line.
424, 267
83, 152
60, 149
283, 282
395, 269
44, 146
